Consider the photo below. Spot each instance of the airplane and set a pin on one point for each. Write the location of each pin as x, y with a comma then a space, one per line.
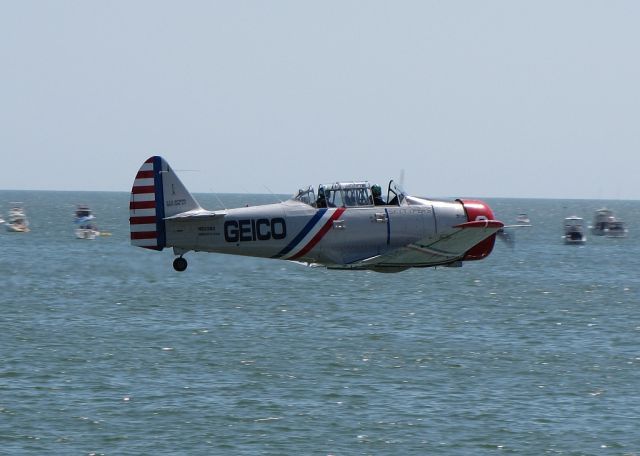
338, 226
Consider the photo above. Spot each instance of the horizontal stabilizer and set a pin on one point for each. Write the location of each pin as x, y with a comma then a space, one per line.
196, 213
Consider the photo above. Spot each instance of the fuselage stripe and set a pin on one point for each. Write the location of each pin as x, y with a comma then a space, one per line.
300, 236
320, 234
386, 211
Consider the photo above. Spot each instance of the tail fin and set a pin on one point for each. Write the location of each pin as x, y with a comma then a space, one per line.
157, 193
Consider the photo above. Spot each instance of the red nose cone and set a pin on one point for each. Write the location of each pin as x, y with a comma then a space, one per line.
478, 210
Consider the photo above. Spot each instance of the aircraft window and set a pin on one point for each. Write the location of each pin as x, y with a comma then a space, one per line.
307, 196
321, 201
395, 195
350, 194
334, 197
330, 195
357, 196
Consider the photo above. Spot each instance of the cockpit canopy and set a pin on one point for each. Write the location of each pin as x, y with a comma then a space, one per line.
349, 194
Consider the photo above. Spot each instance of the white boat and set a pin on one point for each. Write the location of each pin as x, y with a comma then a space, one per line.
616, 229
84, 221
523, 218
601, 221
574, 230
18, 222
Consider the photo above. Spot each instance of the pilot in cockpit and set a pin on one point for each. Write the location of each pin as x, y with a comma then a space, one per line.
376, 191
321, 201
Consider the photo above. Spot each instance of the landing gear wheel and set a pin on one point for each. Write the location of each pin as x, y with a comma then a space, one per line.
179, 264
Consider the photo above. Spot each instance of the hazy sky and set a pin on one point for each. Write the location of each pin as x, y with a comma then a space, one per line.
470, 98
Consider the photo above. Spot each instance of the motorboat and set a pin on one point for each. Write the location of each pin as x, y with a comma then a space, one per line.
85, 225
601, 221
523, 218
574, 230
17, 221
617, 229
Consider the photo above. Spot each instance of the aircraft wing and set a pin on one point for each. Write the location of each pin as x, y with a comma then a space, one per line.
432, 252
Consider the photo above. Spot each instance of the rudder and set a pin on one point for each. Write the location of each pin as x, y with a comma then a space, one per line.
157, 193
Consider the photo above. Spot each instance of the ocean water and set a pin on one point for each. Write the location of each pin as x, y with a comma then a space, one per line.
107, 350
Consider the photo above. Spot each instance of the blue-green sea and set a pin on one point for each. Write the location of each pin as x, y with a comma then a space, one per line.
106, 350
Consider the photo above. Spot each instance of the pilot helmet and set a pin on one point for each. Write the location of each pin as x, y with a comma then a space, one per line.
376, 190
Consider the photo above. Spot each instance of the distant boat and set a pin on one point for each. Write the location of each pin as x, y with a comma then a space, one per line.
616, 229
523, 218
84, 220
605, 223
18, 222
574, 230
601, 220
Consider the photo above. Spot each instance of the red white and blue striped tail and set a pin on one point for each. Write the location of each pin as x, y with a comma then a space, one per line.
157, 193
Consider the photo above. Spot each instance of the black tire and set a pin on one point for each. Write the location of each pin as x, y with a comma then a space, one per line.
179, 264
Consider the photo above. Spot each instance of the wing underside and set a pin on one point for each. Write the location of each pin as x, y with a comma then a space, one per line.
432, 252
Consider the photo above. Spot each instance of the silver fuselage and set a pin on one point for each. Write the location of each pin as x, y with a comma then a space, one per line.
344, 225
297, 231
